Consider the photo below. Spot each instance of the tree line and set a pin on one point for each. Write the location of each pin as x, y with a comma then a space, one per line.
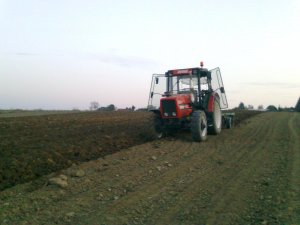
271, 108
95, 106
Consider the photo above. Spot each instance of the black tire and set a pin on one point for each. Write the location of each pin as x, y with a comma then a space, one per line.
158, 127
199, 126
229, 123
215, 125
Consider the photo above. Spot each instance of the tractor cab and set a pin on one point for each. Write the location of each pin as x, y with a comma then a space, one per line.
177, 92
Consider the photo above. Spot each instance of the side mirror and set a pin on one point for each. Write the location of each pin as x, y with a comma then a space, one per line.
222, 90
156, 80
152, 94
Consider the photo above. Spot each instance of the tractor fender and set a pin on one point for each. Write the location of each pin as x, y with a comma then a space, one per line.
210, 105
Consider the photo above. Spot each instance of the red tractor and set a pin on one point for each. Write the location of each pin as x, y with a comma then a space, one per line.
189, 98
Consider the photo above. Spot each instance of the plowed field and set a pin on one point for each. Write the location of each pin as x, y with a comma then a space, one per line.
32, 146
246, 175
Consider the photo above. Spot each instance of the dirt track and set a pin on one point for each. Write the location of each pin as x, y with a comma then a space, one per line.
247, 175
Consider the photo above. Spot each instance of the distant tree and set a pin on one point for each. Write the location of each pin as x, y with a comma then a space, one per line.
289, 109
280, 109
142, 109
94, 105
111, 107
272, 108
241, 106
250, 107
133, 108
297, 107
260, 107
108, 108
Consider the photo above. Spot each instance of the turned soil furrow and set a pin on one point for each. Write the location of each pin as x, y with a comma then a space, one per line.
230, 160
224, 202
159, 187
293, 210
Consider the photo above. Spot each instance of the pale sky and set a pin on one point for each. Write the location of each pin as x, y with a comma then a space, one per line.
63, 54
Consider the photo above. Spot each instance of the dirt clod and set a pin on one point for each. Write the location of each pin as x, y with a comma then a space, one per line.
80, 173
58, 181
153, 157
70, 214
63, 177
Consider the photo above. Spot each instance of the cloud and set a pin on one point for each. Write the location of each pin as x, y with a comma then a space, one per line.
111, 58
26, 53
125, 60
273, 84
19, 53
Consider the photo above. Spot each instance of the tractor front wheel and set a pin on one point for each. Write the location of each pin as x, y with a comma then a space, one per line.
158, 127
199, 126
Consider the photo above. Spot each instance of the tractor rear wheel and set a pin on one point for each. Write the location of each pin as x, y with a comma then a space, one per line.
199, 126
215, 124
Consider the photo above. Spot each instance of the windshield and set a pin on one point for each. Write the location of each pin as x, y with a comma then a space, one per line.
188, 83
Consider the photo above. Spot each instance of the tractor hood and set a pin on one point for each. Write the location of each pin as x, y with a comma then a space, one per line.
176, 106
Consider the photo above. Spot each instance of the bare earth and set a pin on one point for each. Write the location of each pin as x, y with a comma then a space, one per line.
246, 175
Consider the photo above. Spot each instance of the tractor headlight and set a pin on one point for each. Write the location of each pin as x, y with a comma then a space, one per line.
173, 113
166, 114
